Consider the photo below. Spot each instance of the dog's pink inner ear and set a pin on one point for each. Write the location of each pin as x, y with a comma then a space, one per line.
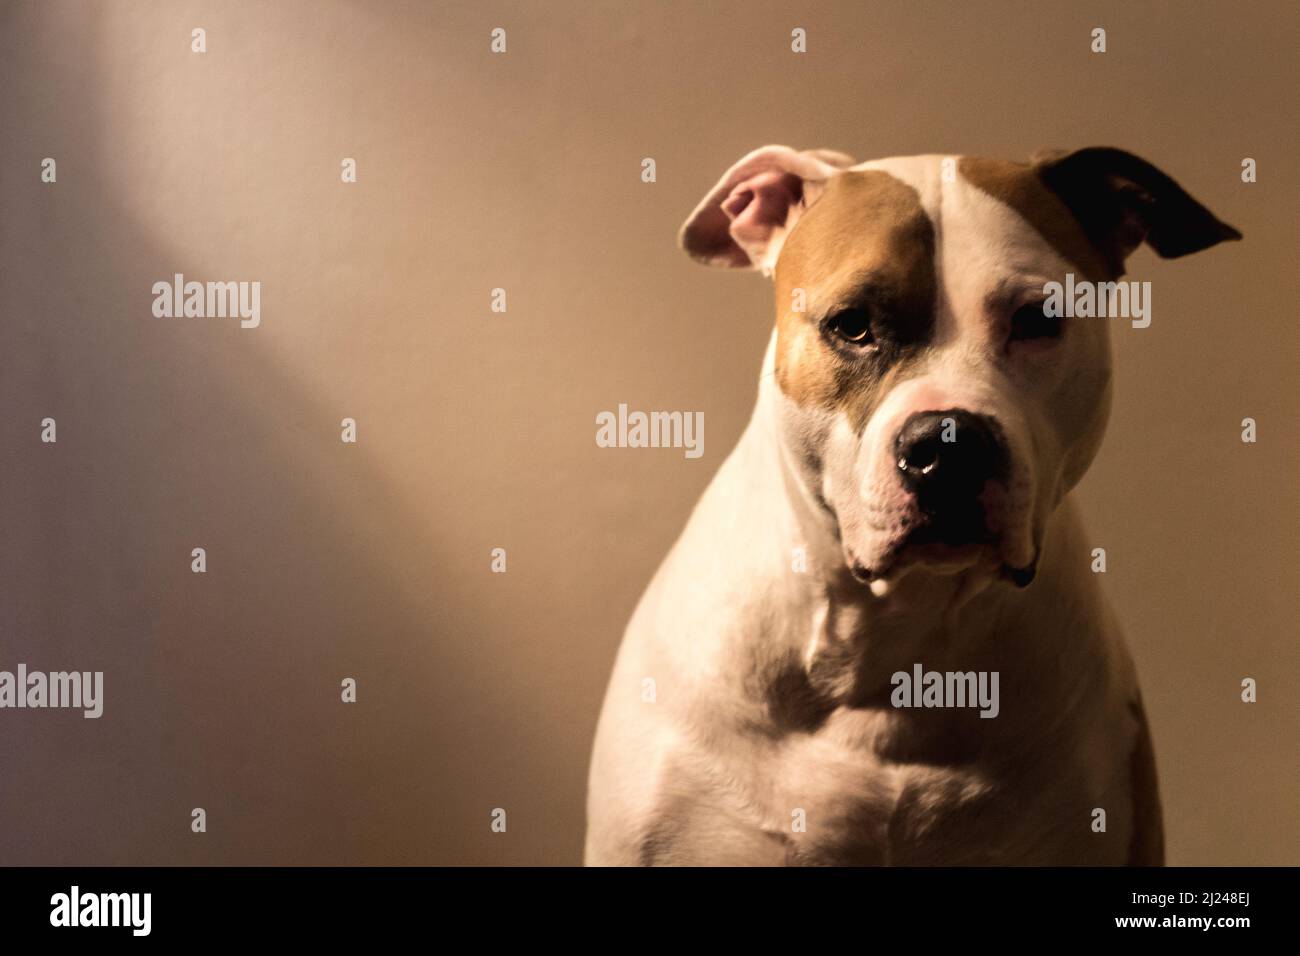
742, 221
758, 207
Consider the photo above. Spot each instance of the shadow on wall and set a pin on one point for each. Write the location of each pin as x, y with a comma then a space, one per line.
222, 689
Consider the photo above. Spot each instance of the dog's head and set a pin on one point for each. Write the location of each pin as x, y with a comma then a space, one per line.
935, 409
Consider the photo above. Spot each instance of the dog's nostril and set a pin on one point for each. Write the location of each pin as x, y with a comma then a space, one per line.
946, 457
919, 458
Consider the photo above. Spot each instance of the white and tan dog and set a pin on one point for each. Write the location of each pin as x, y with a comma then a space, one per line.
898, 502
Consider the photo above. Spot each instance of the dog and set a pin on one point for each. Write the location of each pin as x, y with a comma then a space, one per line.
898, 506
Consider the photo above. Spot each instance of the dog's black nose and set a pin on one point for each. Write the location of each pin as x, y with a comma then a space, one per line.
944, 458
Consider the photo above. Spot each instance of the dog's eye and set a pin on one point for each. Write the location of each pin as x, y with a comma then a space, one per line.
1031, 322
852, 325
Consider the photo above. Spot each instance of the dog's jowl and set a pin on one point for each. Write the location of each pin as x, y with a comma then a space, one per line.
923, 414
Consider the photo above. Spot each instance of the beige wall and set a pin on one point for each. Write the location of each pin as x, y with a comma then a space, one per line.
476, 430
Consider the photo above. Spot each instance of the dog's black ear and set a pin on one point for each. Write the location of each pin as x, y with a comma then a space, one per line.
1121, 200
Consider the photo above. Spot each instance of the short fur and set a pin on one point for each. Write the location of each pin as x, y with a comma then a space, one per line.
770, 737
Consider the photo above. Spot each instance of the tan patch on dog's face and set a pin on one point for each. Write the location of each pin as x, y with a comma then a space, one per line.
1017, 185
867, 243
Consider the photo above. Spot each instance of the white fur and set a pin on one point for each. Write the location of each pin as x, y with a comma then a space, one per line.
705, 775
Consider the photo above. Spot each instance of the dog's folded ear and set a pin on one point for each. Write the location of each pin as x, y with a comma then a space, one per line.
1121, 200
744, 219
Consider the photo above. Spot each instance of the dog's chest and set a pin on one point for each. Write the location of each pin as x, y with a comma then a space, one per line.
841, 801
829, 797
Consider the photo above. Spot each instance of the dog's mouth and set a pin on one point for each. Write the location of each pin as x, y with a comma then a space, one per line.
947, 548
